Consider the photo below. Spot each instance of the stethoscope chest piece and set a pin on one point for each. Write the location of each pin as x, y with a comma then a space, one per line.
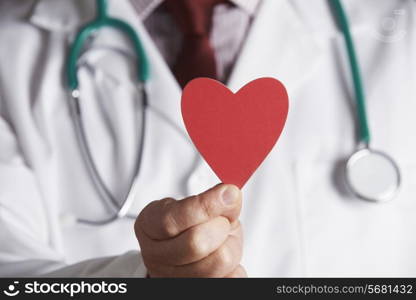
372, 175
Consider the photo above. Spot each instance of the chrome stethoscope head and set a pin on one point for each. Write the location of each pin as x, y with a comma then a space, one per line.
372, 175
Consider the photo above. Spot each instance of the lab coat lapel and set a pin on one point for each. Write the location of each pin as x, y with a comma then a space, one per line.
278, 45
163, 89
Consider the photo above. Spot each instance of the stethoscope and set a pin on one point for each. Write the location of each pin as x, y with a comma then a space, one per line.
103, 20
370, 174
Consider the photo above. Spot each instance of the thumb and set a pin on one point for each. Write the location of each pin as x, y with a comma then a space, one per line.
167, 218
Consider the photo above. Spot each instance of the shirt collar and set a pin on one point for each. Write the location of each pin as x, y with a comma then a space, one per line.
250, 6
64, 15
145, 8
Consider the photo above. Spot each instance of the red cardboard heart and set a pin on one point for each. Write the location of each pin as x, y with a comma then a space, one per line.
234, 132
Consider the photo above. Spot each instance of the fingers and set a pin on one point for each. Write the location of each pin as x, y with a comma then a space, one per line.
238, 272
167, 218
218, 264
199, 236
191, 245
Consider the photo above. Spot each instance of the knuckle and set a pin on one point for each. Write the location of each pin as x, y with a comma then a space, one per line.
236, 227
157, 218
197, 245
206, 205
226, 258
142, 221
144, 216
165, 202
168, 224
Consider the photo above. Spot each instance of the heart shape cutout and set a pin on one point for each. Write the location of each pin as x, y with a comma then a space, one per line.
234, 132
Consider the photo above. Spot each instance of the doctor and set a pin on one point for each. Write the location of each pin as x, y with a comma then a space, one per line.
297, 218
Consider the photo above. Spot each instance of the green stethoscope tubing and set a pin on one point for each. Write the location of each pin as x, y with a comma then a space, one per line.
103, 20
364, 153
341, 17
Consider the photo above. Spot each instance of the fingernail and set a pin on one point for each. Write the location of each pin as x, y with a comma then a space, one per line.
229, 195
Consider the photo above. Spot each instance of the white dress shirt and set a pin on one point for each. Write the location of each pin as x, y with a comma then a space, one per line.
229, 29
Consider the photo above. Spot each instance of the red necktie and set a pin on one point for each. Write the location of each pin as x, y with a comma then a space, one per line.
197, 57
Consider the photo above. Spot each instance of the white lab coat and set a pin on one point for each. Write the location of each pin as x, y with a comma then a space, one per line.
297, 218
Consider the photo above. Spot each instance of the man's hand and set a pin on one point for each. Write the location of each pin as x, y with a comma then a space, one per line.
199, 236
